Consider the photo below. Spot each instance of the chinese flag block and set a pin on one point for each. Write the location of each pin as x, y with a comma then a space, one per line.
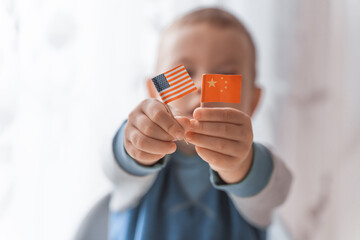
221, 88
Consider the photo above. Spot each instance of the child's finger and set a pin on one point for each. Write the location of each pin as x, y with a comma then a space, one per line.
157, 113
149, 145
141, 156
217, 161
217, 144
184, 122
216, 129
228, 115
150, 129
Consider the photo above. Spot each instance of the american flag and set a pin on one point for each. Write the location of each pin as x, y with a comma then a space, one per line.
174, 84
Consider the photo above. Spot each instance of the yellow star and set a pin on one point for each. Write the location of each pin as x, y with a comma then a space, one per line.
212, 83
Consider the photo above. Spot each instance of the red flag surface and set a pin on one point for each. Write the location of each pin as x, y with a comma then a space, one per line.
221, 88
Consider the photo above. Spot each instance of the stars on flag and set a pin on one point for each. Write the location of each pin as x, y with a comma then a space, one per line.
212, 83
221, 90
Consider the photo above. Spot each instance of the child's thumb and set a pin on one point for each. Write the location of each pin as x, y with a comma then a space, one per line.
184, 122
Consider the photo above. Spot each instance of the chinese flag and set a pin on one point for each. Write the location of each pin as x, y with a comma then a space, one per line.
221, 88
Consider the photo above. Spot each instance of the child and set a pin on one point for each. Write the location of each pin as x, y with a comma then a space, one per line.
221, 185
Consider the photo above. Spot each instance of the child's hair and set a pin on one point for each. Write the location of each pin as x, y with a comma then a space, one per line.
220, 18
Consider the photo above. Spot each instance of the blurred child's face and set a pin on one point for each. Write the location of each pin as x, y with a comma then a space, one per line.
202, 49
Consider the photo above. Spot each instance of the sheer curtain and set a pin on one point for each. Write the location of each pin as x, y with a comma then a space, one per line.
316, 120
70, 71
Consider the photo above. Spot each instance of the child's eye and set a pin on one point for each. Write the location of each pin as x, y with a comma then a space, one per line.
228, 73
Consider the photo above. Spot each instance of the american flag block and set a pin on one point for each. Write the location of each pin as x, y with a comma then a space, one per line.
174, 84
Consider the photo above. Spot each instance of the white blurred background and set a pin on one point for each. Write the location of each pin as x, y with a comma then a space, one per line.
71, 70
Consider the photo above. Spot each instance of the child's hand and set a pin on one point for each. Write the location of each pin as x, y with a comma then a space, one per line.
150, 132
223, 137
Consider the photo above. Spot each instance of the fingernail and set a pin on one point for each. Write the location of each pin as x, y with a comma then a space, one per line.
173, 148
196, 114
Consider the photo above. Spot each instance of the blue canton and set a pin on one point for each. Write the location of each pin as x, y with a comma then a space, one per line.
160, 82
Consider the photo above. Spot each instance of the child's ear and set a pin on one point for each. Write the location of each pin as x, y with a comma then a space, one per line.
256, 99
151, 88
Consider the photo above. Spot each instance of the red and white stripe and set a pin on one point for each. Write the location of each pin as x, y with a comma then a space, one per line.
180, 84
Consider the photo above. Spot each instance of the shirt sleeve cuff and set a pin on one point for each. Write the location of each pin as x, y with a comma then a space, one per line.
129, 164
257, 178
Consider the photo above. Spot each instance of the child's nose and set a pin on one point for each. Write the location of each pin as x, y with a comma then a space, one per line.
198, 90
